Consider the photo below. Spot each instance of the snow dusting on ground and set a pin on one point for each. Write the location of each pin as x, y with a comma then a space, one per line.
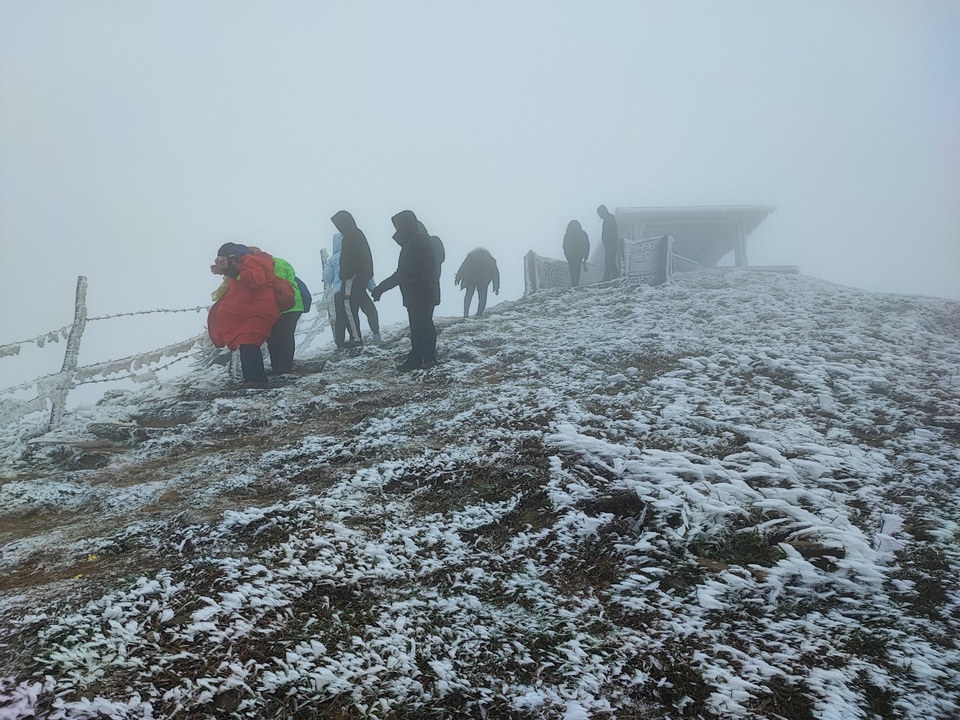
733, 496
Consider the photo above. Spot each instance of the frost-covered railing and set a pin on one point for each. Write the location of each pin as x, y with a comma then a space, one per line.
648, 261
52, 390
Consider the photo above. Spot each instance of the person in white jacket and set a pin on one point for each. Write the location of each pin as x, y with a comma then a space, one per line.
331, 276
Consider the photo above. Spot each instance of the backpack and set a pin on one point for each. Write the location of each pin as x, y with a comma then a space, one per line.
283, 291
304, 295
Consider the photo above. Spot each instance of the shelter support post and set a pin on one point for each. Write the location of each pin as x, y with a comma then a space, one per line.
59, 397
740, 252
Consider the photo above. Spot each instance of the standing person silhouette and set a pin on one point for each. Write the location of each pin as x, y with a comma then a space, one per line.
356, 270
476, 273
419, 285
576, 248
610, 237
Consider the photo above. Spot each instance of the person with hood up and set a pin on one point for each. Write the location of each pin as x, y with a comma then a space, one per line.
331, 277
576, 248
246, 308
476, 273
610, 237
356, 271
419, 285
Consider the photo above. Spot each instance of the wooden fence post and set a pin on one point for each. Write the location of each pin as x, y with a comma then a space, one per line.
69, 368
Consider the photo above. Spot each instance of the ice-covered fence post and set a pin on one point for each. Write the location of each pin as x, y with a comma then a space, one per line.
328, 296
59, 396
530, 277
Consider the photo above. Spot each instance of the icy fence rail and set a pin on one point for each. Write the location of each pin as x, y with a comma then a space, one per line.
52, 389
648, 261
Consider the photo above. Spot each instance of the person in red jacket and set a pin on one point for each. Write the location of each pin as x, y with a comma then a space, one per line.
246, 308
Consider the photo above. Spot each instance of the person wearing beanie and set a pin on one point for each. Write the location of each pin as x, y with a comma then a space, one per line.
246, 308
419, 284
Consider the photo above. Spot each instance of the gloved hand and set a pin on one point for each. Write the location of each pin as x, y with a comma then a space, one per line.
496, 291
377, 292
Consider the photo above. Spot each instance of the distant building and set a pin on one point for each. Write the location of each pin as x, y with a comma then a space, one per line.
702, 235
659, 241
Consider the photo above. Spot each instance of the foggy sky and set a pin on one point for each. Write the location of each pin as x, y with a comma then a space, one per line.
135, 138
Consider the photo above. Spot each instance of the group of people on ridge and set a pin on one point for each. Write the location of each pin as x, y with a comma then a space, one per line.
261, 299
576, 247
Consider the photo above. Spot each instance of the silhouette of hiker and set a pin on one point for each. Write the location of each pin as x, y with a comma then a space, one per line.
476, 273
610, 237
418, 280
356, 271
576, 248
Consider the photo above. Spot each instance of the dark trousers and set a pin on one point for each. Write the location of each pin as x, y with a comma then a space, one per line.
423, 333
355, 297
576, 264
611, 255
251, 364
366, 304
481, 299
340, 323
281, 343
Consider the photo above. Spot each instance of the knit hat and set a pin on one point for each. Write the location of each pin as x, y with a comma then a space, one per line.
233, 250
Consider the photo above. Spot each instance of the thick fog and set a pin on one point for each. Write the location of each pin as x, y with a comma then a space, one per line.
135, 138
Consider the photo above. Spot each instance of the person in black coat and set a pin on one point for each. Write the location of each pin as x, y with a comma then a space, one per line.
476, 273
610, 237
576, 248
419, 285
356, 272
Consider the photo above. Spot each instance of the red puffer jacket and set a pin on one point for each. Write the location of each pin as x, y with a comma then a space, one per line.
246, 313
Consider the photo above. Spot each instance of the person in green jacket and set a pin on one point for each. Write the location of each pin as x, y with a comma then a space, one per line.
281, 344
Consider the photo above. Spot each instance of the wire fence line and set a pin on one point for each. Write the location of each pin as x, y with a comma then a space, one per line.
52, 389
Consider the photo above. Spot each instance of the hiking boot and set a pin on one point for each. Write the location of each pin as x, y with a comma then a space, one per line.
376, 337
407, 366
353, 344
429, 363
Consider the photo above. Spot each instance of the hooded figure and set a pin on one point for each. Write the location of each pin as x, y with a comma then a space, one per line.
246, 307
478, 270
576, 248
356, 270
419, 285
331, 277
610, 237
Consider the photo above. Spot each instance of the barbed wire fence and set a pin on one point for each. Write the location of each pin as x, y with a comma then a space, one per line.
53, 389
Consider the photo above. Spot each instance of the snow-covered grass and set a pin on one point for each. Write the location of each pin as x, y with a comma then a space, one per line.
735, 496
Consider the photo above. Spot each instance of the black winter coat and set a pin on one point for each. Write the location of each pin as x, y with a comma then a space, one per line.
609, 234
355, 257
416, 272
479, 269
576, 244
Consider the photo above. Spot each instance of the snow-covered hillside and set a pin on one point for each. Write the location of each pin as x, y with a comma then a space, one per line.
736, 496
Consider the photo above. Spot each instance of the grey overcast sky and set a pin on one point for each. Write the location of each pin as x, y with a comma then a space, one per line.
136, 137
